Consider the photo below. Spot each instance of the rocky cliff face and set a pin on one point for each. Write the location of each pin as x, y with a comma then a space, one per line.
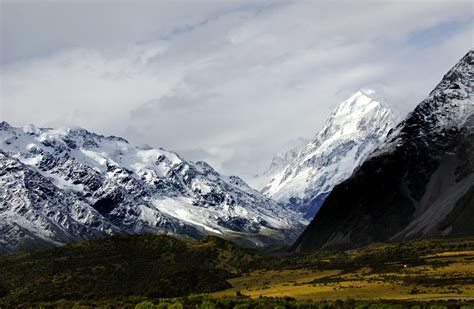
417, 184
69, 184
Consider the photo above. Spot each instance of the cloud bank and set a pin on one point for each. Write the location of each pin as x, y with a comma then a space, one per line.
231, 83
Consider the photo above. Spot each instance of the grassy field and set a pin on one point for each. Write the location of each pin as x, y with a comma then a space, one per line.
444, 275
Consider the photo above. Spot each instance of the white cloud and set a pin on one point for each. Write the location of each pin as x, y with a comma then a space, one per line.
231, 84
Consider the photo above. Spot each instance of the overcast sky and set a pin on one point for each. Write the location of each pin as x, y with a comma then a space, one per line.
229, 82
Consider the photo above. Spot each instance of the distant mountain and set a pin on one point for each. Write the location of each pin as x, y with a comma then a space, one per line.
68, 184
354, 129
279, 162
418, 184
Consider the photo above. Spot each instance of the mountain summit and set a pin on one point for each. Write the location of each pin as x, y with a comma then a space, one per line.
417, 184
69, 184
354, 129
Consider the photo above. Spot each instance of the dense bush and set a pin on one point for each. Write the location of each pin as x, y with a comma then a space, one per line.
290, 303
148, 266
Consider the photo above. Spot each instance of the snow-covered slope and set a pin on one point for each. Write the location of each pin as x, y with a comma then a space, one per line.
279, 162
67, 184
354, 129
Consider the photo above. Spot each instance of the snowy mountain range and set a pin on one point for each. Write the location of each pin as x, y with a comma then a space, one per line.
373, 181
354, 129
418, 184
68, 184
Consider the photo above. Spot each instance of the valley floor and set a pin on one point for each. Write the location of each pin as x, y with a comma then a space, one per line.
444, 275
153, 271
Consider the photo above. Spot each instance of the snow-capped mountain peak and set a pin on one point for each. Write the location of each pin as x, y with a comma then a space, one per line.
358, 103
418, 184
356, 126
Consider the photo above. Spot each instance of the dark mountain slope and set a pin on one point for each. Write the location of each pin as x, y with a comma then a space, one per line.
418, 184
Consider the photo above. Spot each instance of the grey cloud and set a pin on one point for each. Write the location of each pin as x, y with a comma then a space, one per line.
229, 82
39, 28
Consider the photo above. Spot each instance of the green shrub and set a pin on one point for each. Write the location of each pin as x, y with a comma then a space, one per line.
207, 305
176, 305
145, 305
